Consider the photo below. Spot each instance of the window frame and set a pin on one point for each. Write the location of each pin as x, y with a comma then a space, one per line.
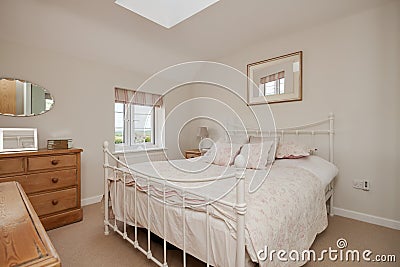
129, 127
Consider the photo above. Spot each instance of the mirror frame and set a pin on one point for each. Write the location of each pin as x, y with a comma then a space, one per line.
29, 115
297, 95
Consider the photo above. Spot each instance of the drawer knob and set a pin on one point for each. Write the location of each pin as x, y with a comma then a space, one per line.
54, 202
54, 180
54, 162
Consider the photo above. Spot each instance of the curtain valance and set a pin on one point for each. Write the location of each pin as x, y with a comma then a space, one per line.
272, 77
137, 98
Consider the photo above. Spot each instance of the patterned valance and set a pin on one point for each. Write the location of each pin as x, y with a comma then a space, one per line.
137, 98
272, 77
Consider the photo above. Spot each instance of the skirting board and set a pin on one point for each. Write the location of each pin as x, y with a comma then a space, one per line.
367, 218
91, 200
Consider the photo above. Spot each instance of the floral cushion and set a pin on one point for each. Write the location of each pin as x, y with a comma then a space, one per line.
256, 154
225, 153
291, 150
263, 139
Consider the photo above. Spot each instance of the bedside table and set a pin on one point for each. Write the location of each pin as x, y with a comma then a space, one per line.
192, 153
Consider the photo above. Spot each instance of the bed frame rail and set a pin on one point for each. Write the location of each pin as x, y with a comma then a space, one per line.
240, 207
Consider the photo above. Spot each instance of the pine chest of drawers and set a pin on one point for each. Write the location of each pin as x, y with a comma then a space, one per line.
52, 181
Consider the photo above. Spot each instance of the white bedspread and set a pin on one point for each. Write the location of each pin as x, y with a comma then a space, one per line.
287, 212
323, 169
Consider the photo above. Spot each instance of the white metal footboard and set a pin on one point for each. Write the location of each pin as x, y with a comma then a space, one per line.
240, 207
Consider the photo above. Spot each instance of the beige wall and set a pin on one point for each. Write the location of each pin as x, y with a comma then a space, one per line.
176, 116
84, 102
351, 68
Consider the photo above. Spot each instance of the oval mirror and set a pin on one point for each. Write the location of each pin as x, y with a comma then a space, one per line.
22, 98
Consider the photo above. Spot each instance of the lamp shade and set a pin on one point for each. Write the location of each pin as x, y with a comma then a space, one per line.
203, 132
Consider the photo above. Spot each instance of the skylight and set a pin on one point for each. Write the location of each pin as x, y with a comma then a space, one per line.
166, 13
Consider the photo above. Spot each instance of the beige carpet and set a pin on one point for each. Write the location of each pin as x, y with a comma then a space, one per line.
84, 244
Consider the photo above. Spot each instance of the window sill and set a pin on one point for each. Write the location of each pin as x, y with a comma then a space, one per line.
138, 150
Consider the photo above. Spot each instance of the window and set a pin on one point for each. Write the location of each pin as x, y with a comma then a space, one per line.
273, 88
134, 124
138, 117
273, 84
119, 123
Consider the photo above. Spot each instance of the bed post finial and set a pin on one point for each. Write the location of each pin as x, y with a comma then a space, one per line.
105, 145
240, 209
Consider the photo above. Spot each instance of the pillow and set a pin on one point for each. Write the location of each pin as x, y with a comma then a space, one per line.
225, 153
256, 154
262, 139
291, 150
235, 139
209, 156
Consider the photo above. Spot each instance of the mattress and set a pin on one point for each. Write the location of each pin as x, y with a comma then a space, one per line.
323, 169
287, 212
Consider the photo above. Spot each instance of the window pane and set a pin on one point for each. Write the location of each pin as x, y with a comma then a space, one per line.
142, 136
282, 86
142, 109
119, 123
143, 121
142, 126
270, 88
119, 107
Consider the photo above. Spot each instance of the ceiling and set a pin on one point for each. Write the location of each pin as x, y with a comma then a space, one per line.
102, 31
168, 13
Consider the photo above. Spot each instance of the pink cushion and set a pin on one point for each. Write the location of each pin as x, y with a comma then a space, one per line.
226, 153
291, 150
256, 154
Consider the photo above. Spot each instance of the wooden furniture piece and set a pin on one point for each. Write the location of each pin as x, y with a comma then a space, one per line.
23, 241
52, 181
192, 153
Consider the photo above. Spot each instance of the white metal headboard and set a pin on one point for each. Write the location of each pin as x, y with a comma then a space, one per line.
297, 130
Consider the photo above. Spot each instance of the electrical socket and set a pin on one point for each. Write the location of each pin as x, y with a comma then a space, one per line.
366, 185
361, 184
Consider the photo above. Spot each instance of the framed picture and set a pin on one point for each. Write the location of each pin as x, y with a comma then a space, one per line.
18, 139
275, 80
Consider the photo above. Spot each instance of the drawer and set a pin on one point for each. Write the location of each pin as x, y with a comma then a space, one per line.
48, 203
192, 155
49, 181
34, 183
51, 162
12, 165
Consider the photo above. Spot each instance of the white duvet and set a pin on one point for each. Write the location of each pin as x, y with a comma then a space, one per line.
287, 212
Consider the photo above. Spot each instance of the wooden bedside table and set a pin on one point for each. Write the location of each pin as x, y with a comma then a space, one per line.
192, 153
